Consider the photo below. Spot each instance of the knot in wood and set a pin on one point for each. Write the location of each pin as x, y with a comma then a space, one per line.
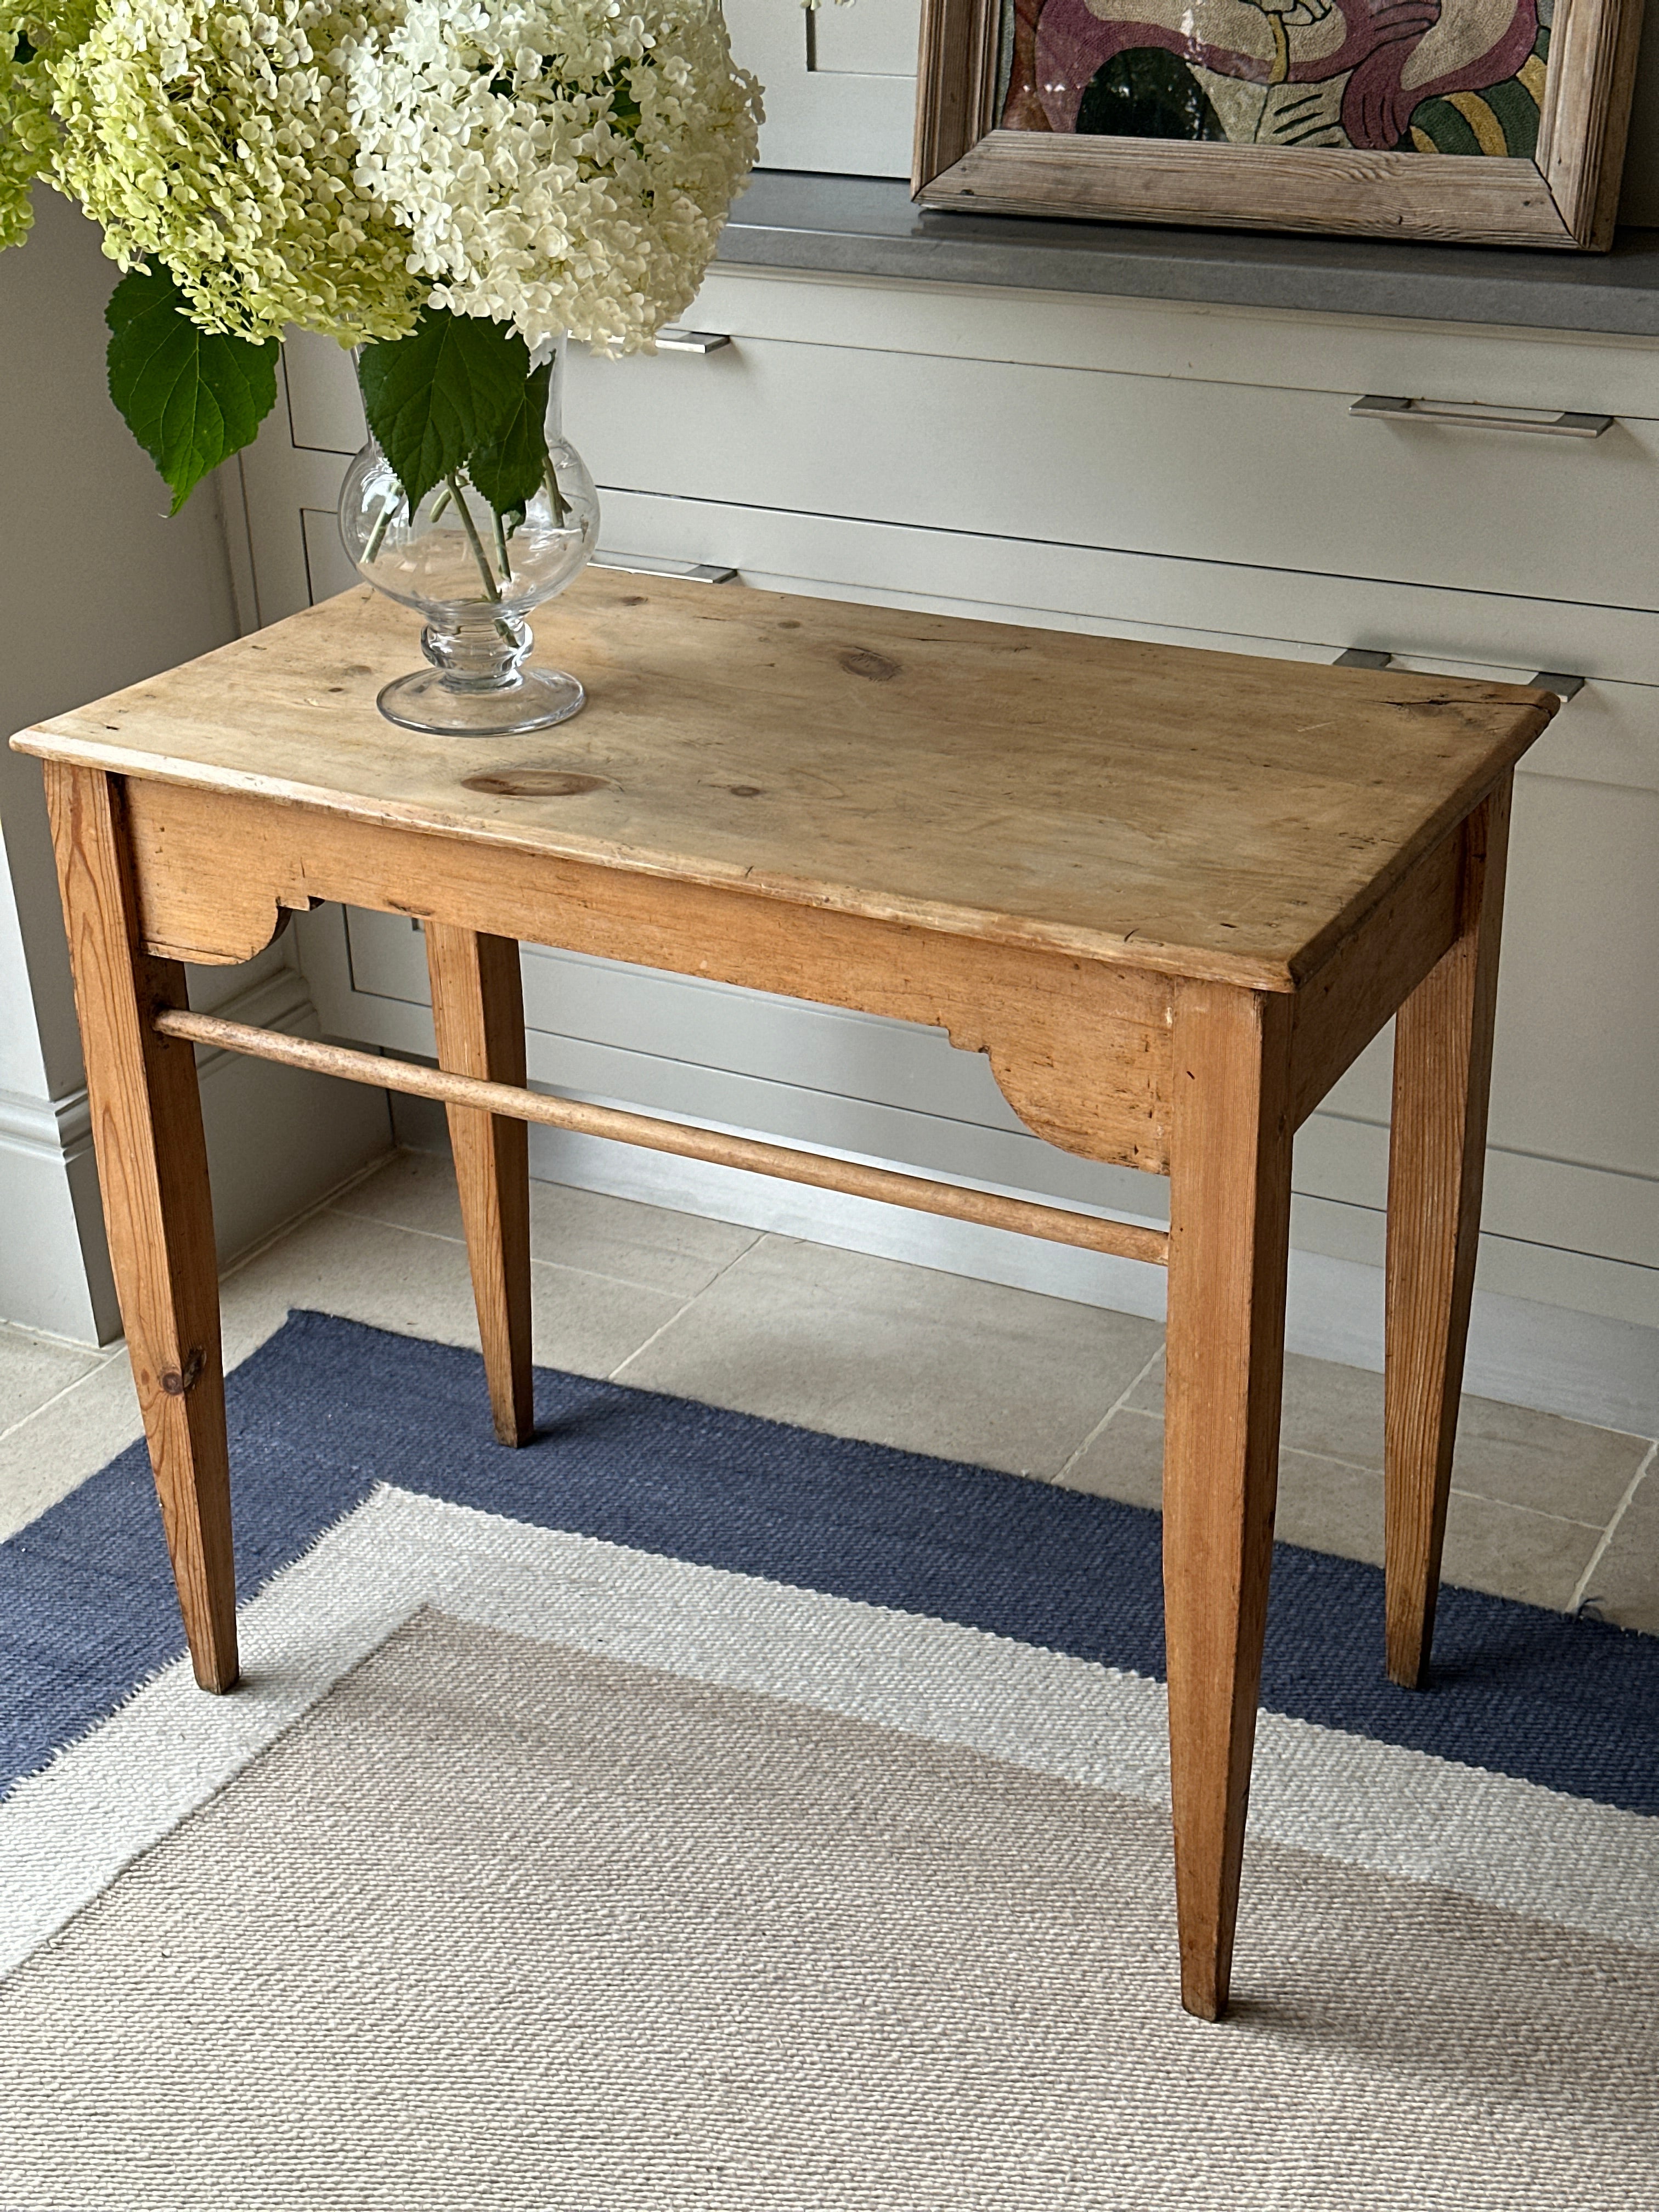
874, 667
536, 783
176, 1382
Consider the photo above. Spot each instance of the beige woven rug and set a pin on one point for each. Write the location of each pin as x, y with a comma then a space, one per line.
499, 1922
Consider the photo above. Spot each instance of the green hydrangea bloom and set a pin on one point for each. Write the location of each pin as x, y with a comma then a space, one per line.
214, 134
32, 32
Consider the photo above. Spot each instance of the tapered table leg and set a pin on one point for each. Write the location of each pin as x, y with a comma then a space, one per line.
477, 1007
1436, 1158
152, 1172
1229, 1234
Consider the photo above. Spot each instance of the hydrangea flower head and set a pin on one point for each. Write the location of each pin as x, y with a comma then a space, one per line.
563, 165
215, 134
32, 33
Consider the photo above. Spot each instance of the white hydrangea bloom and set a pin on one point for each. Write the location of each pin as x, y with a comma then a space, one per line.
562, 165
215, 135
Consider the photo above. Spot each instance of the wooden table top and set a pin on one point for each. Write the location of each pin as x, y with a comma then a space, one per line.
1201, 813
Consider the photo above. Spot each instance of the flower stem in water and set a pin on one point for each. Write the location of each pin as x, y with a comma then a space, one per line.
491, 590
382, 524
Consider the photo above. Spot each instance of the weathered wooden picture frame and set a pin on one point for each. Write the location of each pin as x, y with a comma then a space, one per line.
1563, 194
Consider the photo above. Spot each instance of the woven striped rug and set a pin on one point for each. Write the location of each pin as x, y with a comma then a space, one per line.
691, 1811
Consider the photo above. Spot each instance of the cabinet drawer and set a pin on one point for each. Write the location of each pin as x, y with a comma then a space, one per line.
1231, 607
1176, 466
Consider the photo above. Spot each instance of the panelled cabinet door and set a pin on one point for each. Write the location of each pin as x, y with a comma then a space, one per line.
841, 81
291, 476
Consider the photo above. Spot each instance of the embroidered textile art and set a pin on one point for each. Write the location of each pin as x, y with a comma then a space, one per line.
1429, 76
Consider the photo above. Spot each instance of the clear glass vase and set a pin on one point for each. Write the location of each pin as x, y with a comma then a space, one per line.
475, 577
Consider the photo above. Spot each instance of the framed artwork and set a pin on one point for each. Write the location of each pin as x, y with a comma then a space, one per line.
1500, 121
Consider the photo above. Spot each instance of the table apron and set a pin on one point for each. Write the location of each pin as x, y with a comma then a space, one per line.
1375, 968
1080, 1049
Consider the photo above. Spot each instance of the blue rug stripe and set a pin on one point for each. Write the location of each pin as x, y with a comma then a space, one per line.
327, 1408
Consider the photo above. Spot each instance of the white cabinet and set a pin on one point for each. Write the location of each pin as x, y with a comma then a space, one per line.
1131, 467
1197, 470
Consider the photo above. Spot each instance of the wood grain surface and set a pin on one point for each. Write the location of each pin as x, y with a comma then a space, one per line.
478, 1014
1080, 1049
1185, 811
1437, 1165
153, 1176
1447, 197
1230, 1210
1585, 115
957, 78
1342, 1006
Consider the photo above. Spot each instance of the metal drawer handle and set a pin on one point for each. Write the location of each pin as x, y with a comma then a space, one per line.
1383, 407
674, 338
649, 564
1547, 679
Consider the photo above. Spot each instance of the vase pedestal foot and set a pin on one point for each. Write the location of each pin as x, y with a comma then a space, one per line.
429, 700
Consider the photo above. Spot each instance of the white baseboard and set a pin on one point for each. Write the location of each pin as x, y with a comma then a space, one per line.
279, 1139
1585, 1366
54, 1266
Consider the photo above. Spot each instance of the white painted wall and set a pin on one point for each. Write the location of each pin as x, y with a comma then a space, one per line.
98, 589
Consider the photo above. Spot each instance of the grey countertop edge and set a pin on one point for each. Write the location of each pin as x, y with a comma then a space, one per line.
790, 220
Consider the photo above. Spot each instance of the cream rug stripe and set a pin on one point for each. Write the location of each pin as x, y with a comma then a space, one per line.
65, 1834
508, 1926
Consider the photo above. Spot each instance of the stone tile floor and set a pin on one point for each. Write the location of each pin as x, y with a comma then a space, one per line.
1554, 1511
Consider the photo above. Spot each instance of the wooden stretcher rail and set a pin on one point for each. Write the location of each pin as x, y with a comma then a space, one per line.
1125, 1240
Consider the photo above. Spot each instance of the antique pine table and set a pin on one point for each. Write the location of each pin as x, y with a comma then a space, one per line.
1170, 893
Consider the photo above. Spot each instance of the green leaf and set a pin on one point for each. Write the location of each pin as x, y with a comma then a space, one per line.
432, 399
509, 470
190, 400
